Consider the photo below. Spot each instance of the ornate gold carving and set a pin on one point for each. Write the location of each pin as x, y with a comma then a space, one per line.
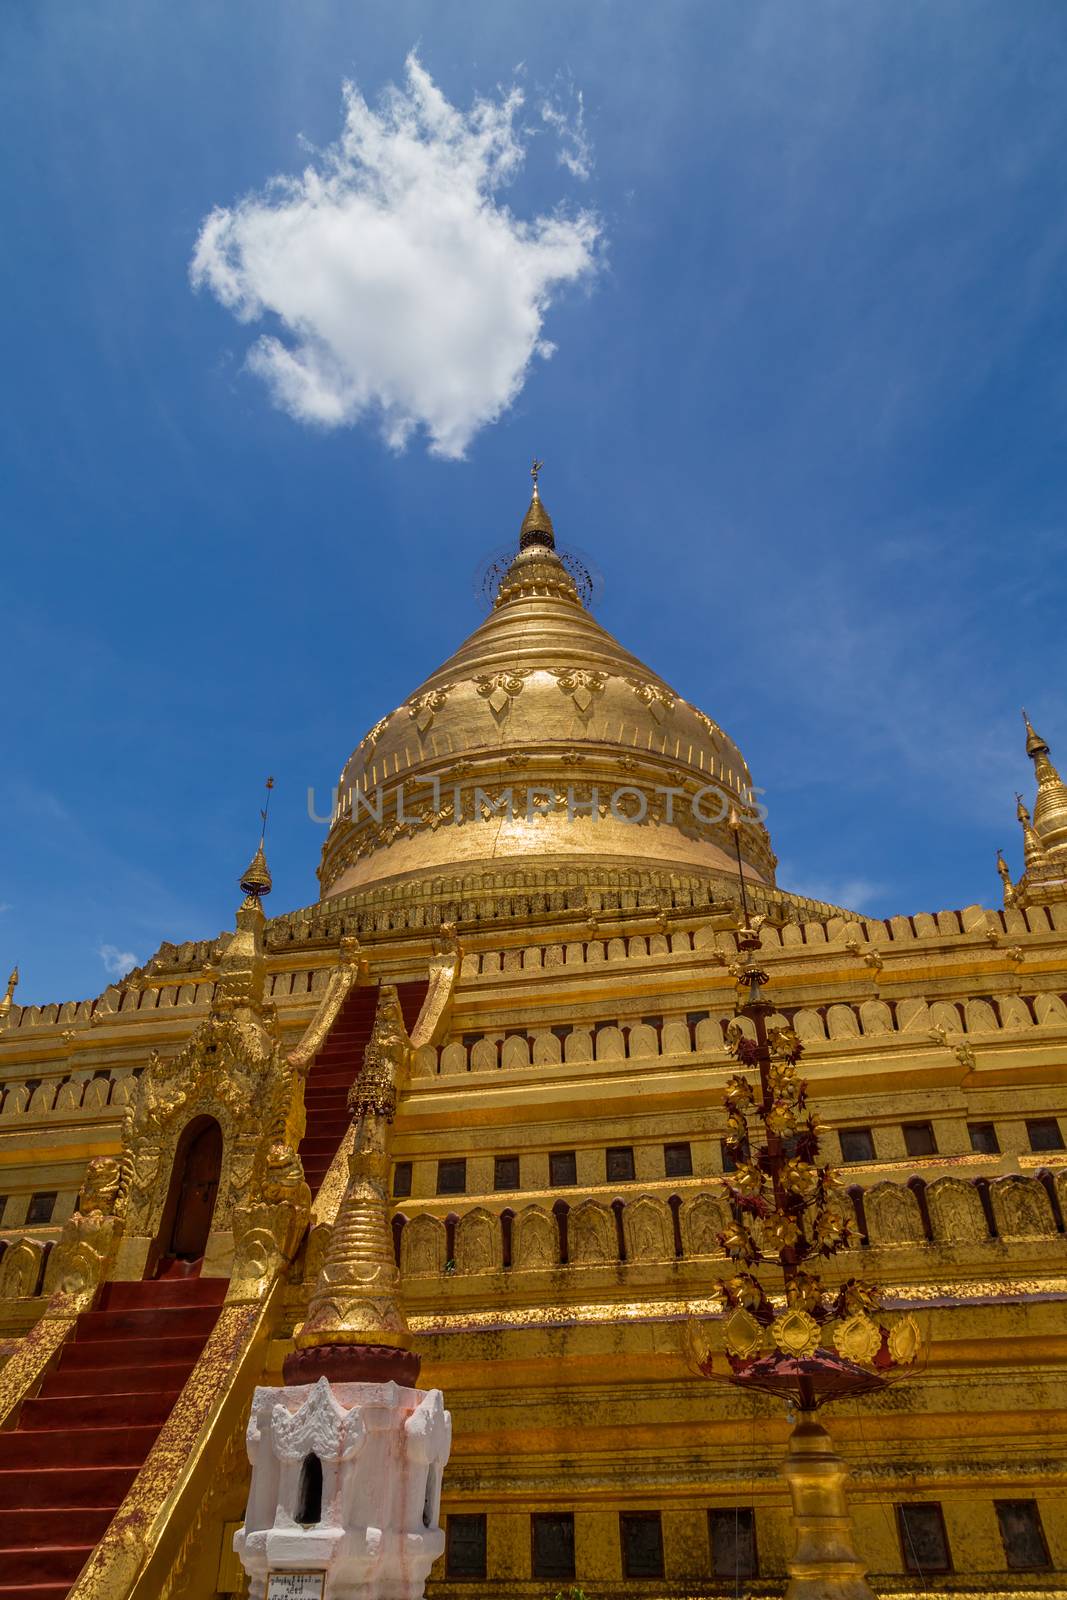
858, 1338
796, 1333
85, 1248
233, 1070
534, 1241
659, 701
424, 707
579, 684
500, 688
369, 740
741, 1334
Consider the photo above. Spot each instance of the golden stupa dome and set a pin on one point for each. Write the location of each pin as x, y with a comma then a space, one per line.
543, 746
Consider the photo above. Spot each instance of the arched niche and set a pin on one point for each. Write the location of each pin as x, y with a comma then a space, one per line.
190, 1205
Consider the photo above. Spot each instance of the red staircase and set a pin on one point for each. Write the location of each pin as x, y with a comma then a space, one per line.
335, 1068
76, 1449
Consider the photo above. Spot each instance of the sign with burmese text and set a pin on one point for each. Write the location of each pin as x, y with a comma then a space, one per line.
296, 1585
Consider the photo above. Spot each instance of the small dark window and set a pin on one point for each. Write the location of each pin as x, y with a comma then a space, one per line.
3, 1206
923, 1542
678, 1160
919, 1139
506, 1172
729, 1156
641, 1533
402, 1179
309, 1506
1044, 1133
1023, 1535
41, 1208
552, 1544
733, 1542
984, 1138
452, 1176
465, 1546
857, 1144
562, 1169
620, 1164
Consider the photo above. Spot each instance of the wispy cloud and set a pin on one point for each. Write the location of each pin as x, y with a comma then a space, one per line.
404, 287
575, 151
854, 894
116, 962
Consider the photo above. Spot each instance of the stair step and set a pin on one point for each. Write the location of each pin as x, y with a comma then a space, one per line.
96, 1447
63, 1487
99, 1355
53, 1525
34, 1591
98, 1411
145, 1324
162, 1293
66, 1383
22, 1565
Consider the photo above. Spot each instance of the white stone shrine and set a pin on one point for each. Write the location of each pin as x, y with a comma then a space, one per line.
346, 1483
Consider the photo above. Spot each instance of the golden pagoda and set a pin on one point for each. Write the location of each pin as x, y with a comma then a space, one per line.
471, 1110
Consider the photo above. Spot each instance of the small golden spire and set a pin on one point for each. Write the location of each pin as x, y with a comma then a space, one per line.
12, 985
1005, 877
536, 524
1033, 850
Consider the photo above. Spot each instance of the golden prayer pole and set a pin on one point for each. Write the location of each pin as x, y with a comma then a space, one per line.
786, 1210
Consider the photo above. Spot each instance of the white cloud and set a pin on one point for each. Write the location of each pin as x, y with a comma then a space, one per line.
403, 285
116, 962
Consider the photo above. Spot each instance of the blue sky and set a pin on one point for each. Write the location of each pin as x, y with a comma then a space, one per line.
805, 411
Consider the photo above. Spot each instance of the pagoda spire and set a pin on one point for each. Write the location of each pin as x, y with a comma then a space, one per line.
12, 985
243, 967
1050, 806
1033, 850
537, 526
355, 1328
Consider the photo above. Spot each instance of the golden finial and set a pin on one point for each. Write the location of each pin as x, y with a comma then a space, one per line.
256, 880
1035, 745
12, 984
536, 524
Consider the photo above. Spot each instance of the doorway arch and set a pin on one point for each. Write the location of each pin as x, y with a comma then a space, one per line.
194, 1186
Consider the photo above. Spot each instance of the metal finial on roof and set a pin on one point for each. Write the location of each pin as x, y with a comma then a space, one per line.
256, 880
537, 524
1035, 745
